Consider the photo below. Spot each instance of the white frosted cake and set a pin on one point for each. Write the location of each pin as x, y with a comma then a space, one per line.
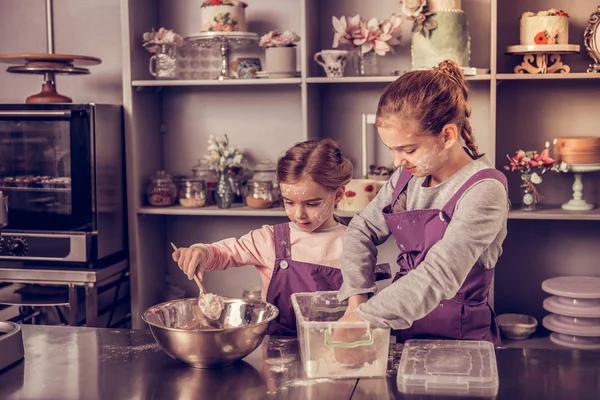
440, 32
223, 16
545, 27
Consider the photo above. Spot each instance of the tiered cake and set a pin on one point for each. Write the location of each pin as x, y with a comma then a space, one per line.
223, 16
440, 33
545, 27
578, 150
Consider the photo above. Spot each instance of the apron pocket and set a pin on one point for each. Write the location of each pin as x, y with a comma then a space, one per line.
443, 321
477, 321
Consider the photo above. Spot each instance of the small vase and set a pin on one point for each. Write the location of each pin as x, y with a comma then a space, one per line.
224, 193
164, 62
366, 64
529, 194
281, 62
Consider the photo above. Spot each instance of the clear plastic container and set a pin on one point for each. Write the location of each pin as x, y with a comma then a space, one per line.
333, 349
450, 367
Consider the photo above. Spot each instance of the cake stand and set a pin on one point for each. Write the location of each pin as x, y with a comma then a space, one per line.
542, 58
577, 203
575, 309
48, 65
225, 41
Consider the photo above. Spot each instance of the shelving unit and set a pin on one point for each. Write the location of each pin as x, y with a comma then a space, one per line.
204, 82
167, 127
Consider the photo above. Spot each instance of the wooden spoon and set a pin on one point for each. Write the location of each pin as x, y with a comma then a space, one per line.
210, 304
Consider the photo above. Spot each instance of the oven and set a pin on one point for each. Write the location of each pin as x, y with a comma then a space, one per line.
62, 170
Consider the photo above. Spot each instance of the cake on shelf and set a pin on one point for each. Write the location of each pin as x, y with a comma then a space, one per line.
578, 150
544, 27
440, 32
223, 16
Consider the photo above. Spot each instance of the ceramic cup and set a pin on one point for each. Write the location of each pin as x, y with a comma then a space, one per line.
359, 192
333, 61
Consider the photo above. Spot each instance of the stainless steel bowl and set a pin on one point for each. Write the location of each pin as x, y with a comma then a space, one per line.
184, 334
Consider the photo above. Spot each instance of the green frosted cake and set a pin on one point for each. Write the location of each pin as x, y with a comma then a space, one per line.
440, 32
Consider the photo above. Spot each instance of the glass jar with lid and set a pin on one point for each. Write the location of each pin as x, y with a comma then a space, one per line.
161, 191
192, 192
259, 194
265, 170
203, 171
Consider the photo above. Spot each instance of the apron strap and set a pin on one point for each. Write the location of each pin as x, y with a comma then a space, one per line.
488, 173
401, 183
282, 241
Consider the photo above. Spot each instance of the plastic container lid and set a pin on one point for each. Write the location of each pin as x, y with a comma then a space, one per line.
451, 367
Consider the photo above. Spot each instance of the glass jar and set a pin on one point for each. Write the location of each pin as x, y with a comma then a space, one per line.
259, 194
265, 171
162, 191
210, 177
192, 192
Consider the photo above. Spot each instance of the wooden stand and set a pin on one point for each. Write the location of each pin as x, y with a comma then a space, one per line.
49, 65
543, 58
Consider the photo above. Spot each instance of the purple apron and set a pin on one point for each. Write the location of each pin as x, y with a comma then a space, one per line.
466, 316
291, 276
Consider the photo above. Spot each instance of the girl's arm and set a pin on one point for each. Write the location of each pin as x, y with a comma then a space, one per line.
254, 248
366, 231
478, 224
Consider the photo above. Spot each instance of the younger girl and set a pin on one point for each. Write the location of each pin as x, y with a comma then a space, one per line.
446, 209
303, 255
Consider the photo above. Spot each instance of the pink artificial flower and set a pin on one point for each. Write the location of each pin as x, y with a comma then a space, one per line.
546, 159
389, 27
346, 31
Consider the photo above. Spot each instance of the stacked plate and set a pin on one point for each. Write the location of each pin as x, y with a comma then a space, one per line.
575, 311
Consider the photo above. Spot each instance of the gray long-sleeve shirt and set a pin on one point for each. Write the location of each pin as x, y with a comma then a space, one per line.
476, 232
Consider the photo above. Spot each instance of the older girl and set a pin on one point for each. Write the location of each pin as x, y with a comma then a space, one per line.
446, 209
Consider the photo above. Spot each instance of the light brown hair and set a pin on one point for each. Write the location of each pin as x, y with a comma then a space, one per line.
321, 160
433, 98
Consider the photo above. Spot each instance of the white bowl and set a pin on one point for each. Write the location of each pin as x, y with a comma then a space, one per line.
516, 326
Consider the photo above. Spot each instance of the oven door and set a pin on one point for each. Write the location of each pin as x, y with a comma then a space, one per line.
46, 168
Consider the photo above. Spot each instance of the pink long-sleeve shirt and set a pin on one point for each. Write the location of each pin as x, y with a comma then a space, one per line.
257, 248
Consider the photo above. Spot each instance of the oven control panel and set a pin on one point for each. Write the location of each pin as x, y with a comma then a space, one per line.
33, 246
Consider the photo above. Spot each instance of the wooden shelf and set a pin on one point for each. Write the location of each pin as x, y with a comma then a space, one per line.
554, 213
574, 75
377, 79
237, 210
214, 82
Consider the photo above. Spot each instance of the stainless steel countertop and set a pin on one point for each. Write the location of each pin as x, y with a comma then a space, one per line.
98, 363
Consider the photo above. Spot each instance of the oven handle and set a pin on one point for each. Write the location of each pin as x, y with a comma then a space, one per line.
41, 114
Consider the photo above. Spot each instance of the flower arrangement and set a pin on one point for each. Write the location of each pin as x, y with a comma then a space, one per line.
356, 33
153, 40
220, 154
235, 3
279, 39
532, 165
417, 11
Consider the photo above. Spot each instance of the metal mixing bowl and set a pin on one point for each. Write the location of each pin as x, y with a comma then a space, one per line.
186, 335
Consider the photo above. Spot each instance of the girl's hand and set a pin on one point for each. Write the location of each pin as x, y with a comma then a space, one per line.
355, 301
191, 260
354, 356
